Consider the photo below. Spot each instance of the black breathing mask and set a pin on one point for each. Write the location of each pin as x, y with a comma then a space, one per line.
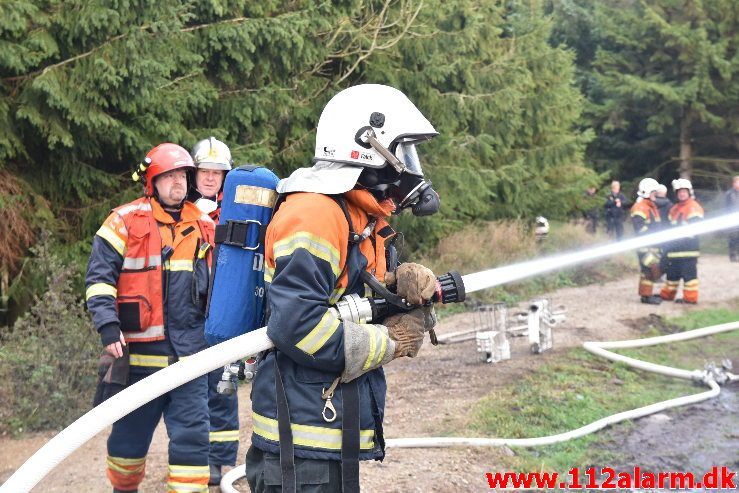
407, 190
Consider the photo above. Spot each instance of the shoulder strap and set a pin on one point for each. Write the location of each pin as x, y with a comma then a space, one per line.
354, 237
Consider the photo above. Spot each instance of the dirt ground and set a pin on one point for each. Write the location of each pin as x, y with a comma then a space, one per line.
432, 395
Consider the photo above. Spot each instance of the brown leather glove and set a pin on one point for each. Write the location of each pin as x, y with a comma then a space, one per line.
407, 329
415, 282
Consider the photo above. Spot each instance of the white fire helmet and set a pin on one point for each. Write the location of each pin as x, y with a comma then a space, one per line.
369, 127
211, 153
682, 183
542, 227
646, 187
348, 118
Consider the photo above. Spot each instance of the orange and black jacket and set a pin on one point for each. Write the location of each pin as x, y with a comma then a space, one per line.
645, 217
309, 266
682, 213
148, 276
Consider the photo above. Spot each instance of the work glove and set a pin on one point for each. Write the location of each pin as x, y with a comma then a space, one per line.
414, 282
407, 329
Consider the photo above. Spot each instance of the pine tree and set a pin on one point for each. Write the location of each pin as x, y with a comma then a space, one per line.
87, 87
506, 107
666, 91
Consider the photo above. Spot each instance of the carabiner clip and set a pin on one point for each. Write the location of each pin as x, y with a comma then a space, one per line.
330, 407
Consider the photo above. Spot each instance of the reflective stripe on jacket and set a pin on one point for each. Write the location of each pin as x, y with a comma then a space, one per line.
682, 213
645, 217
310, 266
128, 282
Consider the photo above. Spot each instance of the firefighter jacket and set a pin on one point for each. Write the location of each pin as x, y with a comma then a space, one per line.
149, 275
682, 213
309, 266
645, 217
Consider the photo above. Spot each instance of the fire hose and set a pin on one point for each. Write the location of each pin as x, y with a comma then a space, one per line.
94, 421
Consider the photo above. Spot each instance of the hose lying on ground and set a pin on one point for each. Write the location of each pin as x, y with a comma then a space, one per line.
600, 349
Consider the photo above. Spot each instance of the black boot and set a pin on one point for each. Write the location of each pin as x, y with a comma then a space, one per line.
215, 475
651, 300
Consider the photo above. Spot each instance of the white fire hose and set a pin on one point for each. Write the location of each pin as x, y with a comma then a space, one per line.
129, 399
601, 349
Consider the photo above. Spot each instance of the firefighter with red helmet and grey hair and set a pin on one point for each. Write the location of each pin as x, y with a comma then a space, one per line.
146, 287
682, 254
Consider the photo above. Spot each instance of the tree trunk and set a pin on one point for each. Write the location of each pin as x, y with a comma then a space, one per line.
686, 147
4, 286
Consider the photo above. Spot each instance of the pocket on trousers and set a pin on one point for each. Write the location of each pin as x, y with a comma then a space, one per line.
307, 471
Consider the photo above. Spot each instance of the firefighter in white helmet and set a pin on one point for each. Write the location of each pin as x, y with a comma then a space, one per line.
213, 160
682, 254
646, 219
318, 399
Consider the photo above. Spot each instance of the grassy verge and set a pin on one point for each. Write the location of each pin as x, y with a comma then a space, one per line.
579, 388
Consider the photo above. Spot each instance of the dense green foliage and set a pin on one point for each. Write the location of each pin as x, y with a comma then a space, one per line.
89, 86
48, 361
660, 76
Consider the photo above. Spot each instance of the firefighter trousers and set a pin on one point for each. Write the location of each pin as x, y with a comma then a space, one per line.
687, 270
646, 284
264, 475
224, 423
185, 411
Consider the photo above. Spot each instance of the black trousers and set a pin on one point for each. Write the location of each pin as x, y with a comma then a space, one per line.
734, 243
313, 476
615, 226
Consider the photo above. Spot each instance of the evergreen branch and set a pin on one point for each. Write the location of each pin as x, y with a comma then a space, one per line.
295, 143
239, 20
42, 71
373, 47
178, 79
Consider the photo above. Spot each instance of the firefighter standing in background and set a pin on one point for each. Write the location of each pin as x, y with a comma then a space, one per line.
614, 211
318, 399
682, 254
147, 282
646, 219
213, 160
